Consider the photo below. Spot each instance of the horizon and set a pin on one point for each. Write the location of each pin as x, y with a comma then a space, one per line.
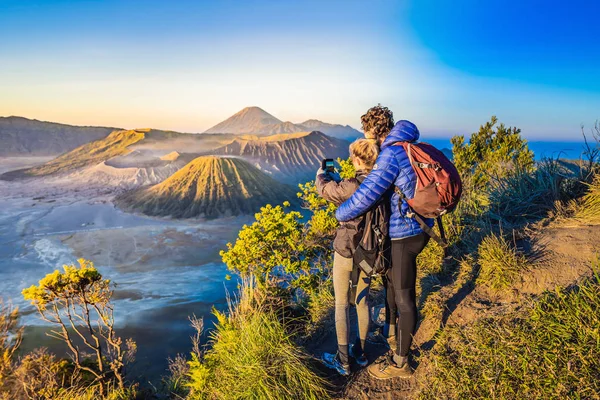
187, 66
433, 136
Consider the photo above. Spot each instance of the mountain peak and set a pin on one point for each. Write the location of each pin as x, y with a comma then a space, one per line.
256, 121
253, 109
248, 120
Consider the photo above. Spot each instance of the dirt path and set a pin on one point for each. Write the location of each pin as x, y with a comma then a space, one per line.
560, 255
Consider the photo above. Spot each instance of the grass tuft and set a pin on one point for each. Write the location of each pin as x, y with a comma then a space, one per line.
499, 263
528, 195
589, 209
431, 259
253, 356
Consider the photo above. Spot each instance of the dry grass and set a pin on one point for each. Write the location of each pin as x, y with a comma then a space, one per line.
431, 259
525, 196
589, 208
500, 263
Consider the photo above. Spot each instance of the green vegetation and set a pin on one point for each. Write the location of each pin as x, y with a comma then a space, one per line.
491, 154
549, 350
10, 340
115, 144
253, 356
275, 241
500, 263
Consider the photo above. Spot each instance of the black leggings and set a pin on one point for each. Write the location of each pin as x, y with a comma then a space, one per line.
404, 279
391, 311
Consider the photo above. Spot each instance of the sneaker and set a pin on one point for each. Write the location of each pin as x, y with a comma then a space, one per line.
376, 337
387, 369
332, 361
360, 359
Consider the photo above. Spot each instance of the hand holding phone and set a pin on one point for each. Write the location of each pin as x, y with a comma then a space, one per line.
328, 165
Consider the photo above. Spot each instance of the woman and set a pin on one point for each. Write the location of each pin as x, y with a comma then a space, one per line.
363, 153
393, 169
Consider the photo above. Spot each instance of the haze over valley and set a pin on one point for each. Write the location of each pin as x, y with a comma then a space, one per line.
151, 208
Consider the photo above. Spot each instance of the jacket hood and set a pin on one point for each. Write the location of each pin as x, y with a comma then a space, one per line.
403, 131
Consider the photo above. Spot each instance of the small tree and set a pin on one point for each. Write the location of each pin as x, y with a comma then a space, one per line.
277, 239
77, 301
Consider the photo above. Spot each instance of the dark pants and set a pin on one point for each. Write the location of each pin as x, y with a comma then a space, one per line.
391, 311
404, 278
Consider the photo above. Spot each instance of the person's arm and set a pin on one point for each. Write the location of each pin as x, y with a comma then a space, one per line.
335, 192
379, 180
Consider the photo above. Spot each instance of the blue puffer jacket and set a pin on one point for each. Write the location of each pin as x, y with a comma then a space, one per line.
391, 168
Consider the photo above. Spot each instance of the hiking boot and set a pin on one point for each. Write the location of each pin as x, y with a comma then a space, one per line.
360, 359
388, 369
332, 361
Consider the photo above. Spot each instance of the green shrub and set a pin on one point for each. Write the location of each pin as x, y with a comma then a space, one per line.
79, 298
499, 263
550, 350
277, 240
253, 356
492, 153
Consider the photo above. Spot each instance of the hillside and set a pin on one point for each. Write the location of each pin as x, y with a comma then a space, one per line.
90, 154
290, 157
23, 136
208, 187
256, 121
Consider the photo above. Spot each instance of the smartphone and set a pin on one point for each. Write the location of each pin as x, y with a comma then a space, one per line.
328, 165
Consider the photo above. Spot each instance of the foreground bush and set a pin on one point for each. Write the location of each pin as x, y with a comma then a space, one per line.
253, 356
551, 350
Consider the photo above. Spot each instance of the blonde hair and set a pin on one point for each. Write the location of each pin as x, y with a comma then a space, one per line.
365, 150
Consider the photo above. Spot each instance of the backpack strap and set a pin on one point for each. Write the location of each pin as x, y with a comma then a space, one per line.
440, 240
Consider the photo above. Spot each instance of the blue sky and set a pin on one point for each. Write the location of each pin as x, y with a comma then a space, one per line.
447, 66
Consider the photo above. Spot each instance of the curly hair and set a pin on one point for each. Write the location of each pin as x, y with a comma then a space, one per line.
377, 122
